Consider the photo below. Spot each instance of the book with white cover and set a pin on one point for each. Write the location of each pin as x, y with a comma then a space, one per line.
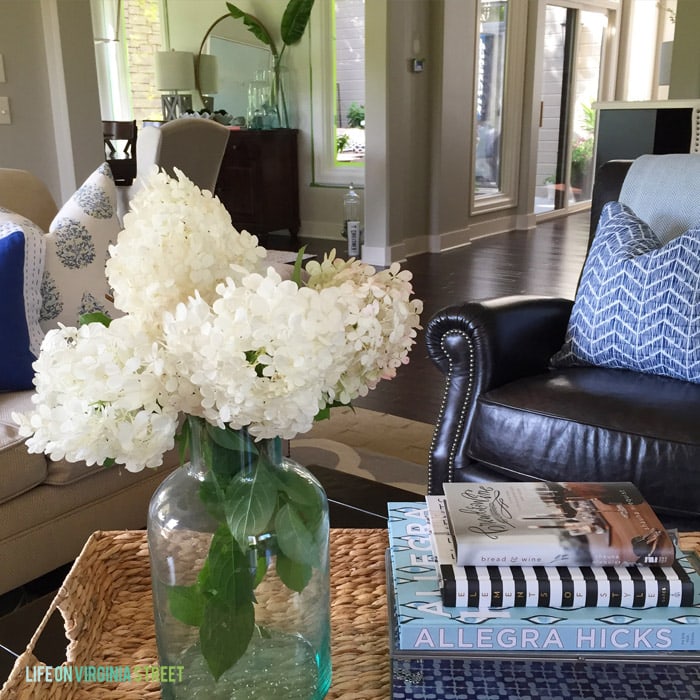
547, 523
638, 586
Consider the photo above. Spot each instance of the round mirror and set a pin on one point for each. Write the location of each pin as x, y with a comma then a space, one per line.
238, 58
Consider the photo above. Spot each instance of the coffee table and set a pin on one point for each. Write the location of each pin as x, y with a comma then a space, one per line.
107, 607
357, 502
354, 502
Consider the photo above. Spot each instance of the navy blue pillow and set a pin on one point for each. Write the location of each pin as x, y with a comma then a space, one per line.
16, 358
638, 304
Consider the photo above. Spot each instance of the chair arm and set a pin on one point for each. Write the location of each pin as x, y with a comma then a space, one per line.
480, 345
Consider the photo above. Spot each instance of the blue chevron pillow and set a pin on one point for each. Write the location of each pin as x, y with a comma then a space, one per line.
638, 304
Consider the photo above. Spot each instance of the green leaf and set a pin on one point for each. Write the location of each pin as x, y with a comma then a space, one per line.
294, 20
230, 439
225, 634
293, 574
303, 492
183, 440
212, 497
187, 604
94, 317
255, 499
203, 577
227, 453
325, 412
230, 577
228, 618
260, 571
298, 263
255, 26
296, 540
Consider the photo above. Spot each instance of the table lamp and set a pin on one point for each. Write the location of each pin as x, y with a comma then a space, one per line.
207, 80
175, 74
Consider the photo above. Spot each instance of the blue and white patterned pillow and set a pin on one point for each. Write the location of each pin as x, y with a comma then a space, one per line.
21, 266
77, 251
638, 304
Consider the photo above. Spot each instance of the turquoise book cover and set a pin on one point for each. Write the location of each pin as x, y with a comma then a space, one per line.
425, 624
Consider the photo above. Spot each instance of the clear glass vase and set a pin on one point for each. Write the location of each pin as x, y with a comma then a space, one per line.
238, 542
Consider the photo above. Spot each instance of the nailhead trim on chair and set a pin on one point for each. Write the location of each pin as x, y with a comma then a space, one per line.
465, 406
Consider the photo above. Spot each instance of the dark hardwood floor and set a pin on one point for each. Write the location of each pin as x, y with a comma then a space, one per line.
545, 261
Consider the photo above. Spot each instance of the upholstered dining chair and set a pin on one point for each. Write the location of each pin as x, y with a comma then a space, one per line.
603, 388
195, 146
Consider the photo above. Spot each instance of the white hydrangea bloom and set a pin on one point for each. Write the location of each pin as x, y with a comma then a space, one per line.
100, 396
208, 333
262, 354
176, 239
381, 321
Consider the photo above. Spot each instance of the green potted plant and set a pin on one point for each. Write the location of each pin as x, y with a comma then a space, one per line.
582, 152
294, 20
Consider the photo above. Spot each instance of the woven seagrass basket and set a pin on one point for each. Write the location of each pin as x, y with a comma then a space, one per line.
107, 608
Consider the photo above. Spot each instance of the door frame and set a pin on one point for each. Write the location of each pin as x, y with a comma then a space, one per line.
607, 71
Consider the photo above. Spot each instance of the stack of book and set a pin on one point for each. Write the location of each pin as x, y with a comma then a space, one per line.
545, 544
558, 570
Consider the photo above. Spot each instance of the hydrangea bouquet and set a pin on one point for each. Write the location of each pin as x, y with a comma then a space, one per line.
212, 331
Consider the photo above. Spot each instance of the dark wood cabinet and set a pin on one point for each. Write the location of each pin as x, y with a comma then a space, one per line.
259, 181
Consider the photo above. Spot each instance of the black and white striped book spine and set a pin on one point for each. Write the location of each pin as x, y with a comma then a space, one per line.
557, 587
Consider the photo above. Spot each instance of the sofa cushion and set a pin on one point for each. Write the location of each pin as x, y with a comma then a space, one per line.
19, 470
638, 304
62, 472
21, 266
594, 424
77, 250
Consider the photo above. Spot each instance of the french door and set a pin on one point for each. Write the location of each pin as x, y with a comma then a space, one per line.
571, 73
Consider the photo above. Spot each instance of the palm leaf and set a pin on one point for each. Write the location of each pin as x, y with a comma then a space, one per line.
255, 26
295, 19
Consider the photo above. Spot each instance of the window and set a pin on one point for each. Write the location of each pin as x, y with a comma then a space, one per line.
490, 74
350, 80
500, 54
338, 92
111, 59
126, 33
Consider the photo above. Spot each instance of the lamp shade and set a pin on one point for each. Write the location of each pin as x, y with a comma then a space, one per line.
208, 74
174, 70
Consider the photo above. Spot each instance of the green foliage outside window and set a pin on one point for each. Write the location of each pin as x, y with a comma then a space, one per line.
356, 116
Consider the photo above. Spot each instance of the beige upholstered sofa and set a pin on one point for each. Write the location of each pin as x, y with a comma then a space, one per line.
47, 508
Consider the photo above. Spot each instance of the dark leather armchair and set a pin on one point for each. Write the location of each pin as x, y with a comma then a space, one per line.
507, 416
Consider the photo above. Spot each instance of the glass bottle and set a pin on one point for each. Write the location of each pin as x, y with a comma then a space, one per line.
239, 552
351, 226
259, 96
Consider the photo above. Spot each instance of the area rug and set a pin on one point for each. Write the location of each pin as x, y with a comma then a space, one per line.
377, 446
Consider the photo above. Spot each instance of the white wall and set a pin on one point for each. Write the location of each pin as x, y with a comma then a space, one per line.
56, 130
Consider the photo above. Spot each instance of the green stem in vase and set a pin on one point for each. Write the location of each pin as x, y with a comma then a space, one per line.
261, 513
279, 99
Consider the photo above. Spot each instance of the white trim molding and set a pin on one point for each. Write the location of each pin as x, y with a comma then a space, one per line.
59, 98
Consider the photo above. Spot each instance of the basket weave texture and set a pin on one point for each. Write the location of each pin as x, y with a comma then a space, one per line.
106, 604
107, 607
